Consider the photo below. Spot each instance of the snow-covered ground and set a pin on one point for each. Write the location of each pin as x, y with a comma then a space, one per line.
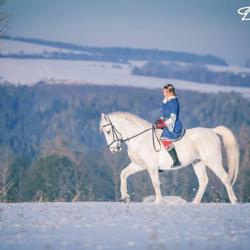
115, 225
30, 71
17, 47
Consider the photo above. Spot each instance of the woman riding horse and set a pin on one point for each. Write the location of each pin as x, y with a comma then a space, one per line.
170, 122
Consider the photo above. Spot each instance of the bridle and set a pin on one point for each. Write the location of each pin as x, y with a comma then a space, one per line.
116, 134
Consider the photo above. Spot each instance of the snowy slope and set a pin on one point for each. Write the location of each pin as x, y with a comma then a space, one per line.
7, 46
109, 225
30, 71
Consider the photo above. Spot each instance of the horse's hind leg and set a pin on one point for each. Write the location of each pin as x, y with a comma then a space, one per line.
154, 175
218, 169
132, 168
201, 173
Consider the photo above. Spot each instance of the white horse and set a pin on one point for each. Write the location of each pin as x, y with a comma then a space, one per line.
199, 147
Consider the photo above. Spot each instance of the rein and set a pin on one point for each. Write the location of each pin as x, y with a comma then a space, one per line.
115, 134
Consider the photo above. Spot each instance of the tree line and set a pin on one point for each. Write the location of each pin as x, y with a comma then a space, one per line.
51, 149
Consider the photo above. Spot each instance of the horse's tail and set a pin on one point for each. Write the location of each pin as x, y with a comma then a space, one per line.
232, 150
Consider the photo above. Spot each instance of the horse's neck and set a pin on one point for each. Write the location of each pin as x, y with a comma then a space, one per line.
127, 127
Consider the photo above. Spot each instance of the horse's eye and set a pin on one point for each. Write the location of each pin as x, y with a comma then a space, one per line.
108, 132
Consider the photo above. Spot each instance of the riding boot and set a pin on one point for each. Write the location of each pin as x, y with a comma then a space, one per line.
169, 146
174, 156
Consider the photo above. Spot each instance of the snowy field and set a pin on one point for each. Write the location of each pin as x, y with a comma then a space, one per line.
8, 47
30, 71
115, 225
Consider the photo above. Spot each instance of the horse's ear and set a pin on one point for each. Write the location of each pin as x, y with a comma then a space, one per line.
103, 116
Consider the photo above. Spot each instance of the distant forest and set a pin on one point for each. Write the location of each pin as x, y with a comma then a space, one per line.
51, 149
193, 72
109, 54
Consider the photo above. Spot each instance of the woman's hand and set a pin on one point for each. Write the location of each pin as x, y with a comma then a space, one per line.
159, 124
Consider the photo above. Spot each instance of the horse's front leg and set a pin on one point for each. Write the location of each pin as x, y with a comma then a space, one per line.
132, 168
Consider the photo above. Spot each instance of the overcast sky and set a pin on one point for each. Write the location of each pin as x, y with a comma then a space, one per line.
199, 26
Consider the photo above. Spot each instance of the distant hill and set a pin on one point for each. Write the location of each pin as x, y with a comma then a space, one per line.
193, 72
113, 54
39, 59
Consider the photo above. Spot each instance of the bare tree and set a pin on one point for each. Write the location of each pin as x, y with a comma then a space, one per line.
4, 18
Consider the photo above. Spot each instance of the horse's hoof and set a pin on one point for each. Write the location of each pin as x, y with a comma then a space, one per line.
235, 201
159, 201
195, 202
125, 199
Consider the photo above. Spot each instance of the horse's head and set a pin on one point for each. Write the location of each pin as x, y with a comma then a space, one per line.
112, 135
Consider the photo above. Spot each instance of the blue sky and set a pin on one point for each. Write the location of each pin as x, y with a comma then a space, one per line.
199, 26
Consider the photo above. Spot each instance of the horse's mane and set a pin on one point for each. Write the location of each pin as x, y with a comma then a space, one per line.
134, 119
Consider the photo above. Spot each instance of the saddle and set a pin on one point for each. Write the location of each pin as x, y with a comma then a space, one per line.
180, 137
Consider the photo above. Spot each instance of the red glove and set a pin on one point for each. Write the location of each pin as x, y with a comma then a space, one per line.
160, 124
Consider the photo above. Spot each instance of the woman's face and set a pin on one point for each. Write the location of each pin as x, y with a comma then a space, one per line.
166, 93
